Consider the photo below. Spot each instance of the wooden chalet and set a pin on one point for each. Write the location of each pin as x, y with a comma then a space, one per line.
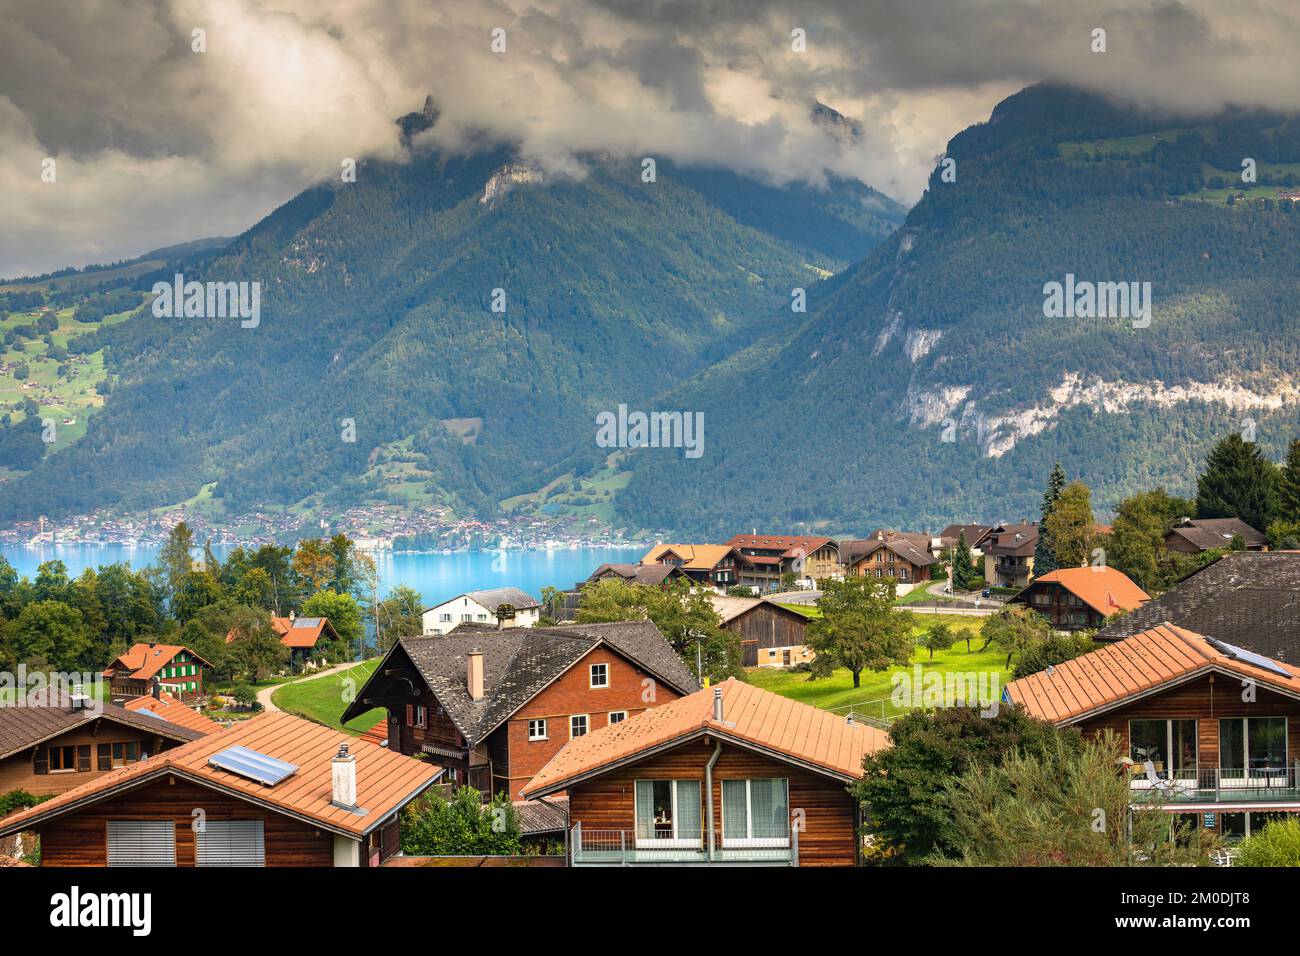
728, 776
770, 635
712, 565
653, 575
1212, 730
275, 790
178, 668
764, 559
491, 707
304, 636
899, 555
1073, 599
59, 741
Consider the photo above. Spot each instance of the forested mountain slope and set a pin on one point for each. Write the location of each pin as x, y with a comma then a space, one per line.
377, 303
927, 384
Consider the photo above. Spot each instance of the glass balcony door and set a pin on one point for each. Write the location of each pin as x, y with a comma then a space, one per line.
1163, 751
1252, 752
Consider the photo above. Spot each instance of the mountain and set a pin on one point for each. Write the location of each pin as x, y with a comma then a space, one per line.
377, 324
927, 384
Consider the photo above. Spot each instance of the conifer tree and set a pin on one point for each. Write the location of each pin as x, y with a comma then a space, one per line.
1044, 552
1289, 484
963, 567
1238, 482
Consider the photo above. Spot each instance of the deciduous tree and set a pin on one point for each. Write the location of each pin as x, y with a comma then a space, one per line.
859, 628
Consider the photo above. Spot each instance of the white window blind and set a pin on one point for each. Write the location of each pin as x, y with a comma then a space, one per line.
230, 843
141, 843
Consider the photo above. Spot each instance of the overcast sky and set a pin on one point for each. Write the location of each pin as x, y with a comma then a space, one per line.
155, 144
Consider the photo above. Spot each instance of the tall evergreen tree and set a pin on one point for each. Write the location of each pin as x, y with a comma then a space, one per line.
1238, 482
1289, 484
963, 567
1044, 552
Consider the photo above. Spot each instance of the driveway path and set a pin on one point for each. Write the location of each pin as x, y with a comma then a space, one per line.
264, 695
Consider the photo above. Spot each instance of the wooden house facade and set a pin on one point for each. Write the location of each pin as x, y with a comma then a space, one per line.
715, 779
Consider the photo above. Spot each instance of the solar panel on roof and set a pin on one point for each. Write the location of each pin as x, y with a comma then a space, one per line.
1250, 657
253, 765
306, 621
146, 710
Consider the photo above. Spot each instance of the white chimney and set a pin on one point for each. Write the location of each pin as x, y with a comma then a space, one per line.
343, 775
474, 674
717, 704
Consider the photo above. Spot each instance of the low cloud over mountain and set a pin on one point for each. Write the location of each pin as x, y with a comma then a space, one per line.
155, 143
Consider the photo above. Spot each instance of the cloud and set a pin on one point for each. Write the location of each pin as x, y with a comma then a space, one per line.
157, 144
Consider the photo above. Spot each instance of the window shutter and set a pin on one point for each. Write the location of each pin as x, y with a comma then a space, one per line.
141, 843
105, 756
230, 843
410, 715
83, 757
42, 764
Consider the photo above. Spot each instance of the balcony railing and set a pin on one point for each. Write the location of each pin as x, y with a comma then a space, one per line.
1221, 785
624, 848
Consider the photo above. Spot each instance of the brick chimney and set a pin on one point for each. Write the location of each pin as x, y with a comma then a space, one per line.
343, 775
474, 674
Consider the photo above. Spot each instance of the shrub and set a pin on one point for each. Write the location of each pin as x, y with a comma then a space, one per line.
1278, 844
462, 825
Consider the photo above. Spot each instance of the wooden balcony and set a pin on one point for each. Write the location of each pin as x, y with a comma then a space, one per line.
623, 848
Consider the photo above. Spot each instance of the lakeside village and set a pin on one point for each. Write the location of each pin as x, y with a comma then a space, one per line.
711, 704
376, 527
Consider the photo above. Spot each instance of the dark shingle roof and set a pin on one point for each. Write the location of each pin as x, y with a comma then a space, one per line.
519, 662
1247, 598
636, 573
495, 597
1013, 540
905, 547
1207, 533
536, 817
23, 727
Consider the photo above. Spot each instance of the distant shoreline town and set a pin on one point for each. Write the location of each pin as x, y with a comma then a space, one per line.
373, 528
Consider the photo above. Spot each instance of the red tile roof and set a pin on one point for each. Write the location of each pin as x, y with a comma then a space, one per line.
143, 661
386, 780
170, 709
1133, 667
791, 545
768, 721
1105, 590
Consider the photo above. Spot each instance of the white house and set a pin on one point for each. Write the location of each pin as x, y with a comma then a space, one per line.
510, 606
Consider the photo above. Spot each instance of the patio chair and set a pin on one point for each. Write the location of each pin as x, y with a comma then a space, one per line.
1167, 788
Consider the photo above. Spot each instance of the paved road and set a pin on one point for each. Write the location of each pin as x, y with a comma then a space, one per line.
264, 695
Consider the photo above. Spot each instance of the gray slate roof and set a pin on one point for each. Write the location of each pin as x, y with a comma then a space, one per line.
23, 727
1247, 598
1207, 533
494, 598
636, 573
536, 817
519, 662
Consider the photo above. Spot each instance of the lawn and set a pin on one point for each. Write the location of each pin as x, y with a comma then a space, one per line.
323, 699
837, 690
